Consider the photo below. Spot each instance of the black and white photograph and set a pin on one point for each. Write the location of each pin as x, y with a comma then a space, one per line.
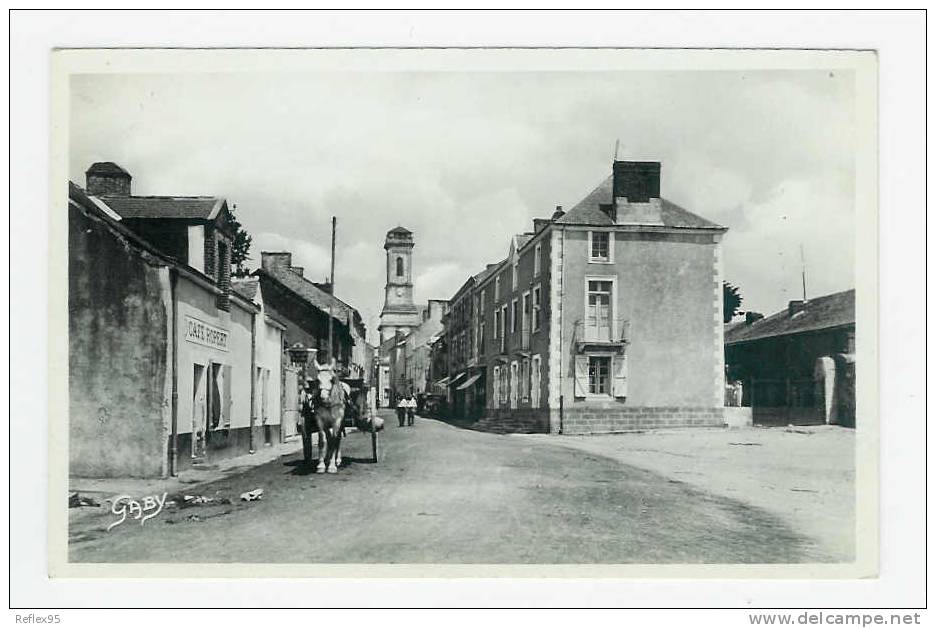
325, 310
459, 316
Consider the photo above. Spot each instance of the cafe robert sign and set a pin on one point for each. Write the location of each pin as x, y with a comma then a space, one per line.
201, 333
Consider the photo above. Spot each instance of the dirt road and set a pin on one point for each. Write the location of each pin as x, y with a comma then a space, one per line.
442, 494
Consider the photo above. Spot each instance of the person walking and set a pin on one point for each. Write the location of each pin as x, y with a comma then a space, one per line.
410, 410
307, 420
401, 410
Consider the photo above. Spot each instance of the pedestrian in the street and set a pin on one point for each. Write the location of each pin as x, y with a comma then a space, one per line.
401, 410
307, 420
410, 410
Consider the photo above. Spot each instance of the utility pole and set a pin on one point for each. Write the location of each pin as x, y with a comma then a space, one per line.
331, 290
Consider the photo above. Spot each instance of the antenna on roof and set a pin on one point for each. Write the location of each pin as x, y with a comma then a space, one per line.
803, 260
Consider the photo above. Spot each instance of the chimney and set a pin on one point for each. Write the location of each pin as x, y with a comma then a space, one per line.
750, 317
105, 178
636, 193
297, 269
796, 307
280, 260
558, 213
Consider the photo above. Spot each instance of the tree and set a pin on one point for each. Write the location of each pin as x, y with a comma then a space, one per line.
240, 249
732, 298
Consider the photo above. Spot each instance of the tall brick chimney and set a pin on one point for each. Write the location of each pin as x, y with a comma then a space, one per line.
105, 178
636, 193
280, 260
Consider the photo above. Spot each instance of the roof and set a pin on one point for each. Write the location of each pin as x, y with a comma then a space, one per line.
487, 272
91, 205
106, 167
588, 211
401, 230
310, 293
247, 287
522, 239
185, 207
826, 312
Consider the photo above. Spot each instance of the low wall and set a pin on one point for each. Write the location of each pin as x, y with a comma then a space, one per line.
784, 415
624, 419
736, 416
517, 420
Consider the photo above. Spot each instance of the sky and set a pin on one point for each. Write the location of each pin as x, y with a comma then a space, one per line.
466, 160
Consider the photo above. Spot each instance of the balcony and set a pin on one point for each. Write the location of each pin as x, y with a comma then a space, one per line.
520, 339
611, 336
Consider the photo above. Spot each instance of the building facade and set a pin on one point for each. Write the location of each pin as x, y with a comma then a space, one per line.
161, 350
606, 317
465, 336
304, 308
797, 365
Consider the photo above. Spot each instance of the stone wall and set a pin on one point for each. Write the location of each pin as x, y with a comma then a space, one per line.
623, 419
119, 354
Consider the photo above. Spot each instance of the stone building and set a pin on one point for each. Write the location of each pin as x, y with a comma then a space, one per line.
466, 383
305, 307
797, 365
606, 317
161, 350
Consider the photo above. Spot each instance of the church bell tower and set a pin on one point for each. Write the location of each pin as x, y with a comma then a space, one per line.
399, 313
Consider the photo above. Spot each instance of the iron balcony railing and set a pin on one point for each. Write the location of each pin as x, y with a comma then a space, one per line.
610, 333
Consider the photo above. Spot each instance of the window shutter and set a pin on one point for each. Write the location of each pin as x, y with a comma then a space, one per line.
226, 375
581, 375
620, 376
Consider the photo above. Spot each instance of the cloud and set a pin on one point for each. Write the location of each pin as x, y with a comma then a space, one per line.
466, 160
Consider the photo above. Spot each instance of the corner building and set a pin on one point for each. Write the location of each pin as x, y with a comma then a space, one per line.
607, 317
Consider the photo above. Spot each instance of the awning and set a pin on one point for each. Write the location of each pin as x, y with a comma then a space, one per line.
442, 382
457, 377
470, 381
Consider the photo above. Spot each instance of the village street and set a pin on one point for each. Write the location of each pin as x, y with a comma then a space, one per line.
444, 494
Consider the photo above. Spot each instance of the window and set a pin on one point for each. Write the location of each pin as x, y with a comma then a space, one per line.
513, 316
513, 276
496, 385
503, 327
481, 304
497, 288
537, 305
600, 249
594, 376
598, 311
514, 384
496, 324
525, 313
599, 375
525, 379
481, 338
399, 267
537, 255
535, 382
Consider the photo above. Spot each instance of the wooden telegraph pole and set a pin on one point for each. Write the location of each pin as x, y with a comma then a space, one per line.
331, 290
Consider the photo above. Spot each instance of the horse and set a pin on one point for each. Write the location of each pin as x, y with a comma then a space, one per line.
330, 404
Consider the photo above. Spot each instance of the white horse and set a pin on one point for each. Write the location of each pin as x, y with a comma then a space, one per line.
329, 415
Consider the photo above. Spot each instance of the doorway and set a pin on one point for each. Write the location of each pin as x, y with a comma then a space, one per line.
199, 411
